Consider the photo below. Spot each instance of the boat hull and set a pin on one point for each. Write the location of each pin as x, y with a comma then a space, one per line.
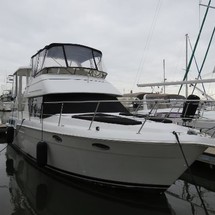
115, 163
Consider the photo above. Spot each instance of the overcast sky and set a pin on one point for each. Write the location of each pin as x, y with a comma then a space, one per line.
134, 35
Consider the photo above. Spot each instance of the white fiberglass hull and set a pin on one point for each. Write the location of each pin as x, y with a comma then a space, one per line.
121, 163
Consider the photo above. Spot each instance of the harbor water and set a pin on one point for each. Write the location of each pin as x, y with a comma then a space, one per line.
25, 189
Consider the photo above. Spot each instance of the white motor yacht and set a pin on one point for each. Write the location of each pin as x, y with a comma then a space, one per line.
67, 118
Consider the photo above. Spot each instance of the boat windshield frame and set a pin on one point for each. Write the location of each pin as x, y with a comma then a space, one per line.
68, 57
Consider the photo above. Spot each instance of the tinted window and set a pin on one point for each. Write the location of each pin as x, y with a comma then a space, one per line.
80, 103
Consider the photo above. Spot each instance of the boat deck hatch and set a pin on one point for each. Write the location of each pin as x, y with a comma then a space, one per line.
108, 119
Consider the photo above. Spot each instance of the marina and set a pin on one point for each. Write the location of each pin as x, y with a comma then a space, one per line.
81, 137
78, 138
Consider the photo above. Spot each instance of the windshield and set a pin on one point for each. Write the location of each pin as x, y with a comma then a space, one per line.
67, 55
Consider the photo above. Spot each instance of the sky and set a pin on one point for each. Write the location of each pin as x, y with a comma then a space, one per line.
135, 36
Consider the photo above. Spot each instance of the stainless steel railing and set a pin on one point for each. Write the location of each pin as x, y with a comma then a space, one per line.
141, 111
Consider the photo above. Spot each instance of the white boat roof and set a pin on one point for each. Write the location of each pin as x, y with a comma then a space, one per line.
23, 71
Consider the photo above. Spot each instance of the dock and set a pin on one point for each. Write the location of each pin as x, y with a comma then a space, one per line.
208, 157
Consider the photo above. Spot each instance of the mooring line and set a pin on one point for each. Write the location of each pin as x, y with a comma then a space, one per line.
3, 149
192, 177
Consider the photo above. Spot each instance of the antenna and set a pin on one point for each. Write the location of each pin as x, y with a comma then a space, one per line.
164, 76
186, 93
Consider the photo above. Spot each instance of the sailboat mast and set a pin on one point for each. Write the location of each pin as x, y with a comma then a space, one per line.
186, 92
164, 76
197, 41
206, 54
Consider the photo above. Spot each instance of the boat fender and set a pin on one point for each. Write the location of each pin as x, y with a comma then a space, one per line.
10, 135
42, 155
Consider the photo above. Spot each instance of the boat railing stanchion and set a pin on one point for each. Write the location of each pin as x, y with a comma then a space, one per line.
29, 113
41, 115
22, 114
142, 126
138, 105
97, 106
147, 117
61, 110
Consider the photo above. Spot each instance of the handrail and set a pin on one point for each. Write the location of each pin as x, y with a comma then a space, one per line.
154, 111
61, 110
146, 118
97, 106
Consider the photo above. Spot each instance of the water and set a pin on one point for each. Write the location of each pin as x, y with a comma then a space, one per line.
26, 190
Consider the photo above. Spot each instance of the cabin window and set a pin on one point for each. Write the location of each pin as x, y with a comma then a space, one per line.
38, 61
49, 105
54, 58
80, 103
83, 57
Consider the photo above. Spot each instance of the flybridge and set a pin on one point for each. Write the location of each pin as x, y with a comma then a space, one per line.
68, 59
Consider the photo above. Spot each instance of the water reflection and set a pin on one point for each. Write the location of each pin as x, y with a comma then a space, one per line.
184, 199
183, 196
33, 192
